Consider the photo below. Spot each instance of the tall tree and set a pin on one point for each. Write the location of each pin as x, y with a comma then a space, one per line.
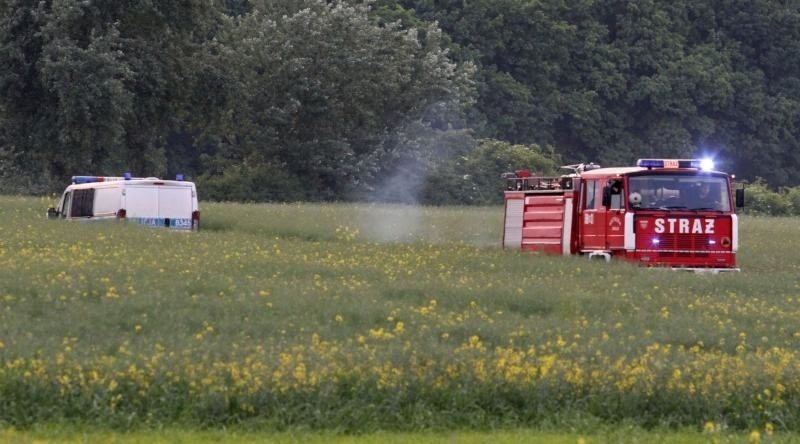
322, 92
96, 87
613, 80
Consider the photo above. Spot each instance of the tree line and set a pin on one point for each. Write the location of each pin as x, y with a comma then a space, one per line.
399, 100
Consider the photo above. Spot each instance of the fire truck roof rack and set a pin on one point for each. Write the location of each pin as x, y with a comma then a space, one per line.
578, 168
522, 180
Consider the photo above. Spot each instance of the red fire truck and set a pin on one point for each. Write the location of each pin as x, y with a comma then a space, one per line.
676, 213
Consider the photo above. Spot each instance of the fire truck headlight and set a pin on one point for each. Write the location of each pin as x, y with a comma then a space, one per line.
655, 241
712, 242
707, 164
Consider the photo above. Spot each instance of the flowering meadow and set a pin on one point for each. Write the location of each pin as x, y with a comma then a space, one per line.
358, 317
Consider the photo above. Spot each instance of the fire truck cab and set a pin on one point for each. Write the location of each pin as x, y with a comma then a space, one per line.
676, 213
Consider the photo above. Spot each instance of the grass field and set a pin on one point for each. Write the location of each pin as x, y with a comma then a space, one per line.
617, 434
361, 318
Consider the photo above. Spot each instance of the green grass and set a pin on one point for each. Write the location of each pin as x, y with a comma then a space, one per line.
359, 318
619, 434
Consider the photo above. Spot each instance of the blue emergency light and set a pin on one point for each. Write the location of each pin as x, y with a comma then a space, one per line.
702, 164
92, 179
87, 179
707, 164
650, 163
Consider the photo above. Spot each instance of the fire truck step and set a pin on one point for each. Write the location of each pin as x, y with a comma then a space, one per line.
600, 255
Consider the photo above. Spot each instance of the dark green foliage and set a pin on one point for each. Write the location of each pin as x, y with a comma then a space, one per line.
94, 87
325, 95
257, 184
493, 158
347, 96
761, 200
615, 80
475, 177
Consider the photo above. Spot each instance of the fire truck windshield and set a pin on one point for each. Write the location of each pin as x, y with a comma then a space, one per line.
684, 191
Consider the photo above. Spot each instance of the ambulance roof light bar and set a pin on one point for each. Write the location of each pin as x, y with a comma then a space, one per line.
92, 179
87, 179
705, 164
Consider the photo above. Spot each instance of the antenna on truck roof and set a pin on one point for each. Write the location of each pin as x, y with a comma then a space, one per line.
578, 168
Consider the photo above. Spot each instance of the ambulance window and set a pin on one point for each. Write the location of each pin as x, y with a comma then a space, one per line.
82, 203
590, 194
65, 206
107, 201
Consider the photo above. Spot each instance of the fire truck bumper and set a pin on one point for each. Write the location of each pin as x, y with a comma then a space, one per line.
705, 270
698, 262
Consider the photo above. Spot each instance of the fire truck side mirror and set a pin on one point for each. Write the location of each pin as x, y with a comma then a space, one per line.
607, 196
739, 197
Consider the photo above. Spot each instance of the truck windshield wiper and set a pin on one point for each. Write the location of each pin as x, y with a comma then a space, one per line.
674, 207
706, 209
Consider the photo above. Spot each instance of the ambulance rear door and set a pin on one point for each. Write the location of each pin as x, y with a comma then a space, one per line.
175, 206
160, 204
141, 204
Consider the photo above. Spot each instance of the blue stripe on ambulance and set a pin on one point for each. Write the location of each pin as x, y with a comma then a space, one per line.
179, 223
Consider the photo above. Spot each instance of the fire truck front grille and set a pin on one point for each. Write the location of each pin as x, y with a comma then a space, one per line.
681, 254
684, 242
684, 245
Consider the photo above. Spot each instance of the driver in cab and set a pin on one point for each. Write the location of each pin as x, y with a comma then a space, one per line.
702, 197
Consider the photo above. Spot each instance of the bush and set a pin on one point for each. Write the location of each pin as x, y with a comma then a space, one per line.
265, 183
793, 196
760, 200
475, 177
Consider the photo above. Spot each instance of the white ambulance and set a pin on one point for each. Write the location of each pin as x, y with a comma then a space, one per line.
144, 200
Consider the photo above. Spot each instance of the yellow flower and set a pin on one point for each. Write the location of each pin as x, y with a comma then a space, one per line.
475, 342
755, 436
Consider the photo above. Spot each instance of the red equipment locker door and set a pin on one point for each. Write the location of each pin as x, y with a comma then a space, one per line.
601, 227
592, 216
615, 222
